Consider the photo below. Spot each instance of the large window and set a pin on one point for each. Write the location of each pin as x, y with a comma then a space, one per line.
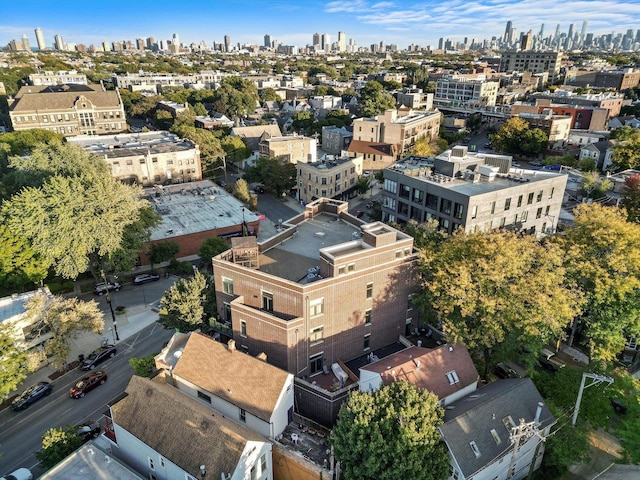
227, 285
369, 290
405, 190
390, 186
243, 328
316, 307
507, 204
432, 201
418, 195
267, 301
539, 196
458, 210
530, 199
367, 341
367, 317
316, 335
315, 363
445, 207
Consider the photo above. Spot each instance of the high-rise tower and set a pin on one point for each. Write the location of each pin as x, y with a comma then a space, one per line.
227, 43
59, 42
507, 31
342, 41
267, 41
40, 39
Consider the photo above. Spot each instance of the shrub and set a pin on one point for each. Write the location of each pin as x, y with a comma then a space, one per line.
177, 267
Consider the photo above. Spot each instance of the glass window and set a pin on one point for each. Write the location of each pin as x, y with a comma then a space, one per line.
458, 210
432, 201
315, 363
474, 211
403, 208
267, 301
507, 204
367, 317
263, 463
369, 290
539, 196
520, 201
316, 334
445, 207
227, 285
316, 307
367, 343
539, 213
530, 199
418, 195
493, 208
204, 396
405, 190
342, 270
525, 215
452, 376
243, 328
243, 415
551, 192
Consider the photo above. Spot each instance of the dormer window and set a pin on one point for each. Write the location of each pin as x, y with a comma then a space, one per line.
452, 376
475, 449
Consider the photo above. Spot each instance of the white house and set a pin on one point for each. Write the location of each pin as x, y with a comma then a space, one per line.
599, 152
478, 431
245, 389
447, 371
166, 435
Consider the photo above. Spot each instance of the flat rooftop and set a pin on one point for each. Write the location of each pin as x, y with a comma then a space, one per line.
293, 258
195, 207
14, 305
132, 144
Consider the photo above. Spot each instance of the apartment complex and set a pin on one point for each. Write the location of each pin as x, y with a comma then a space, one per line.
57, 78
331, 178
532, 61
453, 91
414, 97
154, 82
293, 149
146, 159
68, 109
402, 127
582, 117
328, 288
474, 191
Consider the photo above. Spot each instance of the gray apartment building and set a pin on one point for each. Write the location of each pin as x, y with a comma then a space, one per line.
474, 191
532, 61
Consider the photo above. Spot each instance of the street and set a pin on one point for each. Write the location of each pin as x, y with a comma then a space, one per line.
21, 432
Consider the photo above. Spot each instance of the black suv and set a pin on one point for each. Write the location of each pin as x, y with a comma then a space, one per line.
88, 430
30, 395
98, 356
503, 370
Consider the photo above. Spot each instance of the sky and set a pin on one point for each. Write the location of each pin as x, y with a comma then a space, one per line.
293, 22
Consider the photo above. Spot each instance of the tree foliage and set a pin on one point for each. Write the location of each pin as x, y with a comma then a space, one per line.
276, 175
631, 197
241, 191
65, 318
19, 264
391, 434
236, 96
143, 367
594, 186
602, 255
13, 362
515, 136
211, 247
57, 444
626, 154
490, 289
182, 304
374, 100
163, 252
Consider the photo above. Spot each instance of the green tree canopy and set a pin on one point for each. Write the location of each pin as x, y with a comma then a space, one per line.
269, 95
236, 96
631, 197
65, 318
13, 362
163, 252
495, 288
594, 186
276, 175
211, 247
515, 136
183, 303
57, 444
209, 144
391, 434
626, 154
602, 256
374, 100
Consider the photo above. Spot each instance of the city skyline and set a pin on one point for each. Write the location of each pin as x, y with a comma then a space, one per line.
294, 23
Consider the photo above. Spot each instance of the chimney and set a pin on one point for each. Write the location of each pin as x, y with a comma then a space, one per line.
231, 345
262, 356
538, 413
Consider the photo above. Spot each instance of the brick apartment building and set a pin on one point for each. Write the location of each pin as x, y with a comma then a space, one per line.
334, 177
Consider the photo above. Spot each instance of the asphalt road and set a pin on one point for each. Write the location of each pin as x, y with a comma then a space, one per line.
21, 432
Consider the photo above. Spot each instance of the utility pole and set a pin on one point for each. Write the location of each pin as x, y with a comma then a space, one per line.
597, 380
526, 430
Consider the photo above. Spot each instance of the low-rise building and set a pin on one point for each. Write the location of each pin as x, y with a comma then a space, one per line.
336, 139
600, 152
149, 158
375, 155
414, 97
532, 61
333, 177
461, 92
163, 433
213, 121
172, 107
293, 149
582, 117
475, 191
154, 82
57, 78
556, 127
68, 109
29, 332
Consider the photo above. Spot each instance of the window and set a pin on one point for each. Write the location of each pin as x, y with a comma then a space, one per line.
418, 195
530, 199
458, 210
253, 473
507, 204
493, 208
342, 270
243, 415
367, 339
151, 465
162, 462
129, 161
539, 213
452, 376
508, 423
204, 396
267, 301
539, 196
316, 335
351, 267
474, 211
367, 317
496, 437
525, 215
315, 363
404, 191
432, 201
227, 285
142, 161
475, 449
263, 464
369, 290
445, 207
551, 192
316, 307
243, 328
519, 201
546, 210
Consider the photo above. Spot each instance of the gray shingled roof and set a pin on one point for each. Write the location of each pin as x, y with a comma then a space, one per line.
473, 417
31, 98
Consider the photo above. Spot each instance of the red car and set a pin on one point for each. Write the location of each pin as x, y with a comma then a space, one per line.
88, 383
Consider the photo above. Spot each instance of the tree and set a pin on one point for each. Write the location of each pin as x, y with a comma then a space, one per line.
234, 148
210, 147
269, 95
182, 304
626, 154
13, 362
631, 197
302, 119
422, 147
19, 264
276, 175
143, 367
594, 186
363, 184
602, 257
241, 191
65, 318
211, 247
391, 434
199, 109
69, 219
497, 289
236, 96
57, 444
515, 136
374, 100
163, 252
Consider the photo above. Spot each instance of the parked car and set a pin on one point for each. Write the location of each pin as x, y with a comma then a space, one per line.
88, 383
98, 356
547, 359
102, 288
30, 395
258, 189
503, 370
88, 430
515, 164
20, 474
535, 163
145, 278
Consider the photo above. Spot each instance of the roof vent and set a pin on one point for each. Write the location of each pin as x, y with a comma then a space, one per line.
231, 345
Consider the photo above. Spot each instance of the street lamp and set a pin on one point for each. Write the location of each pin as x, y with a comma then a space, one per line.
116, 337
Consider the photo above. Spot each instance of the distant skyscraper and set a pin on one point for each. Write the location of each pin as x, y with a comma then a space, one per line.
150, 42
440, 43
541, 34
59, 43
583, 32
557, 34
25, 43
140, 43
316, 40
507, 31
342, 41
40, 39
526, 41
227, 43
325, 42
106, 46
570, 34
175, 40
267, 41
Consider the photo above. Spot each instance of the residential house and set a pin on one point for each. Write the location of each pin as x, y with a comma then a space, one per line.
375, 155
68, 109
582, 117
172, 107
475, 191
213, 121
556, 127
326, 102
626, 120
336, 139
293, 149
252, 136
414, 97
600, 152
243, 388
165, 435
333, 177
497, 432
446, 371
